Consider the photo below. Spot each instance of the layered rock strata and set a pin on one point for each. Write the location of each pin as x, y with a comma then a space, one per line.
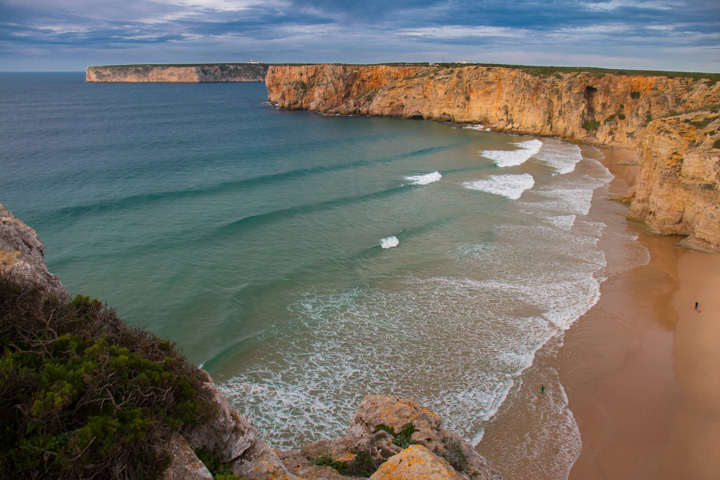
389, 438
227, 72
671, 120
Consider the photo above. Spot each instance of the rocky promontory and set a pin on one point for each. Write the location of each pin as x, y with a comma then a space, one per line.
85, 396
200, 73
671, 119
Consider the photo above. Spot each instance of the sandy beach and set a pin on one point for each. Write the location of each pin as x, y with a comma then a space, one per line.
640, 368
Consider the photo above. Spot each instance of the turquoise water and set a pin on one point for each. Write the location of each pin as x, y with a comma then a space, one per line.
306, 260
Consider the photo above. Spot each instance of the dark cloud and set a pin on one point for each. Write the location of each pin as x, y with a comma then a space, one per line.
342, 28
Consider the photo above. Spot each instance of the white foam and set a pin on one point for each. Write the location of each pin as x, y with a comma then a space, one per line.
424, 179
511, 158
389, 242
510, 186
477, 127
563, 222
561, 156
572, 200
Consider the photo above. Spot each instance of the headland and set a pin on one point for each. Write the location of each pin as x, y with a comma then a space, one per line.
165, 73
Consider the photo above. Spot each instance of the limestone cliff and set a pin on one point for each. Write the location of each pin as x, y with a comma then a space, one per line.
667, 117
226, 72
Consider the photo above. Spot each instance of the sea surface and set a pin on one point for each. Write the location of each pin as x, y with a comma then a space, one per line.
306, 261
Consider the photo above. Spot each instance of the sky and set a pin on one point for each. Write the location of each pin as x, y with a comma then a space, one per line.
69, 35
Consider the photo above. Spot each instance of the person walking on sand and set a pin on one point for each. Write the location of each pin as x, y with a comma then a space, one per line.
542, 389
696, 306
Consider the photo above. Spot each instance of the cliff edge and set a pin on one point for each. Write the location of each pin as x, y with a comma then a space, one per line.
672, 119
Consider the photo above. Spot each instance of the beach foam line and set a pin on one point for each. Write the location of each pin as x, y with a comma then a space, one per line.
510, 186
512, 158
560, 155
479, 127
424, 179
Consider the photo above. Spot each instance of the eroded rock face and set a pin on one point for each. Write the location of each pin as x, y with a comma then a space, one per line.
678, 186
391, 429
234, 440
23, 254
185, 463
593, 107
677, 189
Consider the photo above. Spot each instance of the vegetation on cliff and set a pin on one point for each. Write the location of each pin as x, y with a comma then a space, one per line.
83, 395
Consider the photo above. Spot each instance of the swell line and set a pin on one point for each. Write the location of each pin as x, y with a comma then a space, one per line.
262, 218
98, 208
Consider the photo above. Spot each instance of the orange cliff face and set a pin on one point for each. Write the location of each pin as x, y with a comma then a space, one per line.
677, 191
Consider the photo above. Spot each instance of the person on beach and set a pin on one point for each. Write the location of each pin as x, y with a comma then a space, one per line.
542, 389
696, 306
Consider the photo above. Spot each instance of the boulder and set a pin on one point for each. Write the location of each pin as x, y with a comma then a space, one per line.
416, 463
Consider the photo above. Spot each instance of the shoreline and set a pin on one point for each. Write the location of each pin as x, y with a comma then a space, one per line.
637, 367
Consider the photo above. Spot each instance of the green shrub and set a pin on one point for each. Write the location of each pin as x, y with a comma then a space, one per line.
610, 119
701, 123
81, 393
455, 455
621, 116
591, 125
326, 460
634, 94
219, 471
362, 466
385, 428
402, 439
716, 143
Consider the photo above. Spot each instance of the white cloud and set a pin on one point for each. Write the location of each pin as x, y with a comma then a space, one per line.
449, 32
615, 4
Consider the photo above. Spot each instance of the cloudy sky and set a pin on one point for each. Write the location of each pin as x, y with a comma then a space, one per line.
68, 35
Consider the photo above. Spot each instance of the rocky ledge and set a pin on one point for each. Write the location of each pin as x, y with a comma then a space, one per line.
389, 438
671, 118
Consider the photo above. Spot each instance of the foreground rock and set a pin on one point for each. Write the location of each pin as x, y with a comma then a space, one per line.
670, 118
391, 437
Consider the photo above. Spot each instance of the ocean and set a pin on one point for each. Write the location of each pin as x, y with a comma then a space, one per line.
306, 260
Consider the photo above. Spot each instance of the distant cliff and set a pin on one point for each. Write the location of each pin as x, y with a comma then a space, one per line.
220, 72
672, 119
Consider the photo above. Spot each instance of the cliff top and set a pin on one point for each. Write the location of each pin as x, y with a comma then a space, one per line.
537, 70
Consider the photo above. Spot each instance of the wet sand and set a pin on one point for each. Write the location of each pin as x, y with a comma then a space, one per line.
641, 369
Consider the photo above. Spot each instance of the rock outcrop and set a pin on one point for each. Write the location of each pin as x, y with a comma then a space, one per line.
669, 118
225, 72
391, 437
22, 254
